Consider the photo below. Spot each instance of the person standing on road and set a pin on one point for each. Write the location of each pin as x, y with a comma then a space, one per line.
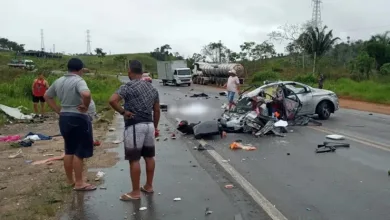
75, 124
39, 87
232, 87
141, 114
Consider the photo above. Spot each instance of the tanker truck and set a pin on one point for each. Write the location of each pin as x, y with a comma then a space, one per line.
216, 74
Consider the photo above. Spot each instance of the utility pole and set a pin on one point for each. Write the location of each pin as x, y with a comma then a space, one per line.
54, 48
88, 42
42, 41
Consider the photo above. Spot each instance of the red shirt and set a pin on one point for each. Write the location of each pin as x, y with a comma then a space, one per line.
39, 88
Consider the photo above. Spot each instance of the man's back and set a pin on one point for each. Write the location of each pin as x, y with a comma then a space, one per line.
139, 97
232, 83
68, 89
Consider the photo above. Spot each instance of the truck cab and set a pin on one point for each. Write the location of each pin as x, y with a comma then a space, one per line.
182, 76
174, 72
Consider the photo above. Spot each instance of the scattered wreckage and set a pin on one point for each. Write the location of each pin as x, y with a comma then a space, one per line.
265, 111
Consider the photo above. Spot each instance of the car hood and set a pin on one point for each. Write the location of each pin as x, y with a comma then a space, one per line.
319, 92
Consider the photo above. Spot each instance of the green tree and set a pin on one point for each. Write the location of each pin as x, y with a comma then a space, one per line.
385, 69
120, 62
363, 63
317, 42
246, 50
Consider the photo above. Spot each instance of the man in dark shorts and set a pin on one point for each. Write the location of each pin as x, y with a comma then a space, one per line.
39, 87
141, 113
75, 124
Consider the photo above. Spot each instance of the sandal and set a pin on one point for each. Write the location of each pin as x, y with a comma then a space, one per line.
86, 188
127, 197
146, 191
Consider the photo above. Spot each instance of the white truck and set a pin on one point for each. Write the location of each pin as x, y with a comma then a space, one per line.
24, 64
175, 72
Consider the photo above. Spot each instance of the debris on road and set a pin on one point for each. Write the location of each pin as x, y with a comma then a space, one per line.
117, 142
208, 212
143, 208
177, 199
238, 145
330, 147
99, 175
198, 95
163, 107
229, 186
335, 137
15, 112
19, 153
173, 136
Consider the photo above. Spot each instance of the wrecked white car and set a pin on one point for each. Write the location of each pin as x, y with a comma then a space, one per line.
314, 101
268, 109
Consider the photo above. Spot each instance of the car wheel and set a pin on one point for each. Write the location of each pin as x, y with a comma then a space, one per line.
323, 110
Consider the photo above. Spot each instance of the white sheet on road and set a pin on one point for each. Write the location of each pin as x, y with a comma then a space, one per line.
14, 112
281, 123
335, 137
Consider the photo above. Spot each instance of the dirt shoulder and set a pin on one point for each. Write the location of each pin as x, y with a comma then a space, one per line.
364, 106
30, 191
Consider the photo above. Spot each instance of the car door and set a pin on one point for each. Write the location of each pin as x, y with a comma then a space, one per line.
305, 96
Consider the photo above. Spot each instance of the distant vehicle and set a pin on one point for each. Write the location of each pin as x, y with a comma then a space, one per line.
146, 77
175, 72
217, 74
24, 64
313, 101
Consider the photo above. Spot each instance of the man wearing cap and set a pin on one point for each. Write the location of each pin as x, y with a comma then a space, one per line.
232, 87
141, 113
75, 124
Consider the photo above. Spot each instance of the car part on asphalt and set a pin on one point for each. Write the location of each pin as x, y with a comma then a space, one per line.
330, 146
164, 107
303, 121
335, 137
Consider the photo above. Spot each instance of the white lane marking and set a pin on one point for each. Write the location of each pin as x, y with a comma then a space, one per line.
356, 139
273, 212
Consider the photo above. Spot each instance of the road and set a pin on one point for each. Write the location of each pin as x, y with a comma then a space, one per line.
348, 184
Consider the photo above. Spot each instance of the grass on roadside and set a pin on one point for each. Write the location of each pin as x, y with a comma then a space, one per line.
15, 90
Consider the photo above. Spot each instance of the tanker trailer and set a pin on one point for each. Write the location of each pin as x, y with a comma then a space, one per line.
216, 74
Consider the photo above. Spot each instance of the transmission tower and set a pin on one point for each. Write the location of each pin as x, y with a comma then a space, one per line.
316, 14
42, 41
88, 42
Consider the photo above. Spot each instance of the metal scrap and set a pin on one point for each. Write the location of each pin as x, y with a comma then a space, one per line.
330, 146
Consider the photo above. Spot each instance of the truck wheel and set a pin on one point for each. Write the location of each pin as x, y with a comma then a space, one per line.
175, 83
164, 83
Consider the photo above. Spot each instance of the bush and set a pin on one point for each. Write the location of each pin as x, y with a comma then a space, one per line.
265, 75
385, 69
307, 78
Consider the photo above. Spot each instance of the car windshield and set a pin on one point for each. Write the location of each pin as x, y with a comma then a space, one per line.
185, 72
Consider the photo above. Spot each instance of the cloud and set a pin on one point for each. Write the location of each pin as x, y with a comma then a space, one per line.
123, 26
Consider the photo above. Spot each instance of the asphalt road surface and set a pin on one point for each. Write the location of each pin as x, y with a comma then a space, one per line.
347, 184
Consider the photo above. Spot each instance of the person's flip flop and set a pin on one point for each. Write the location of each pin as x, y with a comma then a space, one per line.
127, 197
86, 188
144, 190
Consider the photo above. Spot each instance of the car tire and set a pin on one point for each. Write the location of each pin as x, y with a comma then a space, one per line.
324, 110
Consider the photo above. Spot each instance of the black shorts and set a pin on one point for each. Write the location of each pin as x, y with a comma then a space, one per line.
37, 99
76, 129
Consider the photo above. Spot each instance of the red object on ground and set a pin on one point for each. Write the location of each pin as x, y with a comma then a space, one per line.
173, 136
156, 133
96, 143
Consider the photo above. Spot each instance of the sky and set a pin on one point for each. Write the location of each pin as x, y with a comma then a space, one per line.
133, 26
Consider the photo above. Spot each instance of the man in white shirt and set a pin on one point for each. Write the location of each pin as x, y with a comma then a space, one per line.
232, 87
